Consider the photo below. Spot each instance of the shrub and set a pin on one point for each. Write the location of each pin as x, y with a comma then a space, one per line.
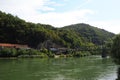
115, 52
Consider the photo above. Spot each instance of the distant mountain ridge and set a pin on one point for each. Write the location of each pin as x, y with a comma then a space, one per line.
17, 31
93, 34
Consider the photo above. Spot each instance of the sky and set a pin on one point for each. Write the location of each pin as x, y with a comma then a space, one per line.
104, 14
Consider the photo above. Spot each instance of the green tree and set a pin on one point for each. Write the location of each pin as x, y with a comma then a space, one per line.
116, 49
17, 31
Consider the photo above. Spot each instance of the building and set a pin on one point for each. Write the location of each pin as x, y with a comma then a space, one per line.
18, 46
59, 51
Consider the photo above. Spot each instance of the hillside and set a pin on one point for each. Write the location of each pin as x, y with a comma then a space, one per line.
17, 31
92, 34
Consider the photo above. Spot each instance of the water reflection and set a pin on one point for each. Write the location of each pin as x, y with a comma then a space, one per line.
87, 68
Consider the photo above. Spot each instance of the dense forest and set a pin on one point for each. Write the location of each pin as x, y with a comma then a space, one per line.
90, 33
37, 36
16, 30
116, 49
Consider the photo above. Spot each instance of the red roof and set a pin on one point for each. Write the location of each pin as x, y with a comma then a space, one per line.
13, 45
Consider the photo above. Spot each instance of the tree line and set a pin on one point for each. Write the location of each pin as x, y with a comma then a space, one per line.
37, 36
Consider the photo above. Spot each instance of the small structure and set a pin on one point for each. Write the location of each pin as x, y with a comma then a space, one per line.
54, 49
59, 51
18, 46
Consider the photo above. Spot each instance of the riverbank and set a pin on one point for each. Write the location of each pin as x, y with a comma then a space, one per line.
44, 53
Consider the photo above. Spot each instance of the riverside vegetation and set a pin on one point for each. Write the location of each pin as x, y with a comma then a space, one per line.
41, 37
116, 49
115, 52
44, 53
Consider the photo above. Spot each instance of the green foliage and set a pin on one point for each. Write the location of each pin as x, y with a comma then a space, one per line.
50, 54
116, 49
37, 36
78, 53
12, 52
90, 33
71, 38
8, 52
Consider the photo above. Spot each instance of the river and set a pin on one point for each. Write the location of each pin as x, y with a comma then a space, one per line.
86, 68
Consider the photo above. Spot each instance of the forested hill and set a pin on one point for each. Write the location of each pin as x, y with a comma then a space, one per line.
15, 30
92, 34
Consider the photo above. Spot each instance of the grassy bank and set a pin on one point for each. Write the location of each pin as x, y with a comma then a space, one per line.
44, 53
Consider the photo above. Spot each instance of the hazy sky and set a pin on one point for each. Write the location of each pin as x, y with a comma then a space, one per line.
99, 13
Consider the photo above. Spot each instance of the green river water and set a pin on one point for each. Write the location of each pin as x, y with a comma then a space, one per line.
86, 68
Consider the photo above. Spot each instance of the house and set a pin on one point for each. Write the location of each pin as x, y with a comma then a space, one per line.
18, 46
54, 49
59, 51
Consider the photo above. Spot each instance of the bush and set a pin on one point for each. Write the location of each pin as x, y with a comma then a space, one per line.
115, 52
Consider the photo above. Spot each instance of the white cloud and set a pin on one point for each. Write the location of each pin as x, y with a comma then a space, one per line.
30, 10
61, 19
110, 25
25, 7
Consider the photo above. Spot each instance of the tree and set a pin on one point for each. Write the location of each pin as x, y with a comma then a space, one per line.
17, 31
116, 49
